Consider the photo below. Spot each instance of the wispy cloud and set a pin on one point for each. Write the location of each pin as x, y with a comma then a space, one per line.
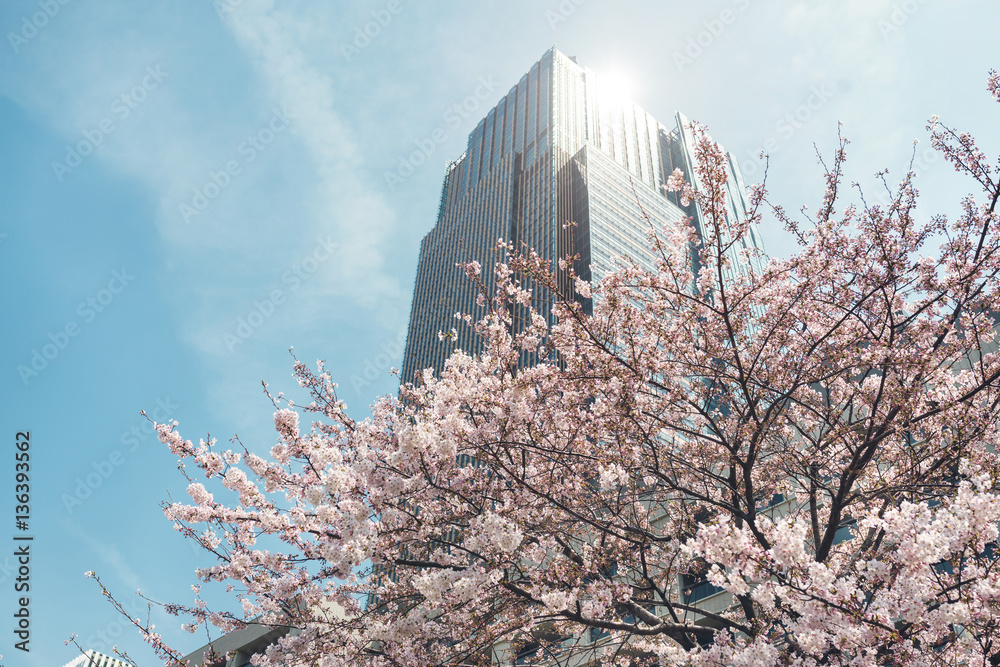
240, 196
110, 555
345, 202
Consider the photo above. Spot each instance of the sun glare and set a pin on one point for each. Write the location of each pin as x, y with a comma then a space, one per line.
616, 87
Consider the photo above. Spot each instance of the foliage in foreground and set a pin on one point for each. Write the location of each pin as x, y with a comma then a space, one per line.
819, 441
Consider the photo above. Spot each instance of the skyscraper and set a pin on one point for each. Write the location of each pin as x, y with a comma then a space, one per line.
561, 147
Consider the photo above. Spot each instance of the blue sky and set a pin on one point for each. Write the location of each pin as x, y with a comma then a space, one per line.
189, 188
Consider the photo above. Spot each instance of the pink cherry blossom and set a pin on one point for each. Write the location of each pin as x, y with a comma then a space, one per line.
816, 443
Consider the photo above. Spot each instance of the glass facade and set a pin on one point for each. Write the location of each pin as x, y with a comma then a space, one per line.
95, 659
560, 147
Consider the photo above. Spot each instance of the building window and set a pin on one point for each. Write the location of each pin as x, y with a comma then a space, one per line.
695, 585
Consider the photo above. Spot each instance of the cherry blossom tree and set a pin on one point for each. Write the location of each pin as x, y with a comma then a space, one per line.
815, 444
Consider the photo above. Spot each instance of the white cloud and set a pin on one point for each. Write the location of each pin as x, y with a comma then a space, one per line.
224, 81
111, 556
344, 202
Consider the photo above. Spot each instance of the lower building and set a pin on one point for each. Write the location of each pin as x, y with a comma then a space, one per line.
95, 659
235, 649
